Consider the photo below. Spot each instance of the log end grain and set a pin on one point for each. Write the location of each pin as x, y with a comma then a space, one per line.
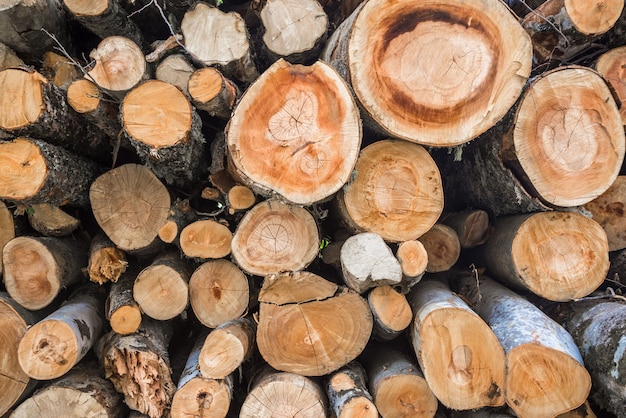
120, 64
126, 320
594, 17
611, 66
206, 239
24, 169
202, 397
27, 86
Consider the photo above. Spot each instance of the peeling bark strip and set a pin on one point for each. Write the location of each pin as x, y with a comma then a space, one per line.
295, 132
437, 74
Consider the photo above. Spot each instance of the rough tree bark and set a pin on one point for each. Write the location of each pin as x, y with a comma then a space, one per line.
121, 309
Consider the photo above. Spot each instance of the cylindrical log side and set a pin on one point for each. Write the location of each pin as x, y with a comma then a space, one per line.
7, 229
121, 309
348, 394
213, 93
226, 348
391, 312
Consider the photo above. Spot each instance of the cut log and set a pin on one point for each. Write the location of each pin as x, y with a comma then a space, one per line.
175, 69
119, 65
479, 58
37, 172
138, 366
308, 326
8, 58
213, 93
396, 191
471, 226
611, 66
206, 239
165, 131
348, 394
104, 18
130, 204
397, 384
82, 393
276, 394
561, 28
33, 106
217, 38
7, 229
567, 145
54, 345
181, 214
239, 198
218, 292
545, 372
106, 261
296, 132
367, 261
294, 30
14, 383
599, 330
391, 312
442, 246
413, 260
51, 221
226, 348
121, 309
161, 289
59, 70
461, 358
275, 236
37, 268
559, 256
608, 210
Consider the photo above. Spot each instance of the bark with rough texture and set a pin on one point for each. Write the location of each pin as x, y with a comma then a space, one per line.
391, 312
50, 220
121, 309
212, 93
348, 394
226, 348
442, 246
59, 70
609, 211
106, 262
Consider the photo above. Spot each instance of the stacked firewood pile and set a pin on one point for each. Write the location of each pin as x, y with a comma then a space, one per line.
278, 208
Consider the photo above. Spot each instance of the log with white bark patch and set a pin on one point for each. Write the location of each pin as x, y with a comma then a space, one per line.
348, 394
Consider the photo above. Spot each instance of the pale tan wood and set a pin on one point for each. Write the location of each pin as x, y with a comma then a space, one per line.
181, 214
307, 326
348, 394
106, 261
275, 236
391, 312
8, 58
213, 93
51, 347
36, 269
130, 204
471, 226
443, 247
611, 66
240, 198
226, 348
396, 191
479, 59
176, 70
121, 309
460, 356
51, 221
413, 260
206, 239
559, 256
86, 98
608, 210
218, 292
59, 70
295, 132
568, 141
7, 229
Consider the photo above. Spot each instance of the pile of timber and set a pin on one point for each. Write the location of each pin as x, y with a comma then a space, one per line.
278, 208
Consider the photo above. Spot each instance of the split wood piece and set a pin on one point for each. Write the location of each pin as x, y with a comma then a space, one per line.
35, 171
296, 132
462, 360
480, 60
59, 70
611, 66
240, 198
206, 239
294, 30
599, 330
37, 268
559, 29
396, 191
119, 65
34, 107
81, 393
104, 18
130, 204
275, 236
88, 100
545, 371
367, 261
348, 394
14, 383
161, 289
138, 366
121, 309
219, 39
309, 326
54, 345
50, 220
7, 229
397, 384
165, 131
213, 93
106, 262
181, 214
226, 348
8, 58
609, 211
218, 292
175, 69
471, 226
443, 247
559, 256
276, 394
568, 120
413, 260
22, 24
391, 312
200, 396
